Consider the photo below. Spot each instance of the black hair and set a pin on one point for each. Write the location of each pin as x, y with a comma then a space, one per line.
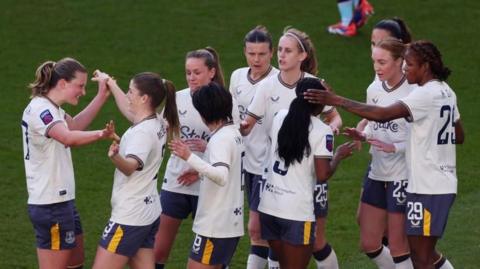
396, 27
426, 52
213, 102
293, 142
259, 34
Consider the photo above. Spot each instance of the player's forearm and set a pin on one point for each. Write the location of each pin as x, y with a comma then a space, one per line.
83, 119
217, 174
126, 166
120, 99
375, 113
79, 138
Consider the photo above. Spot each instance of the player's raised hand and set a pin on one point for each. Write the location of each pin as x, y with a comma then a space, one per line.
109, 132
335, 130
196, 144
381, 146
102, 79
353, 133
345, 150
325, 97
180, 148
188, 177
113, 150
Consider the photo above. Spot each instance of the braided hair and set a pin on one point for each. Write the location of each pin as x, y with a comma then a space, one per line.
426, 52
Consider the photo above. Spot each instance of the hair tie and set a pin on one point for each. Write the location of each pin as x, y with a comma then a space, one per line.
296, 38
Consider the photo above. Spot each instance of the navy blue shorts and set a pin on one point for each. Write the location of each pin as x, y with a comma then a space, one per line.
427, 214
213, 251
254, 184
291, 231
55, 225
320, 202
178, 205
126, 240
388, 195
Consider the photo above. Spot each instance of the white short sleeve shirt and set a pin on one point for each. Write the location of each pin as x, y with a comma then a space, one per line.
135, 199
430, 152
48, 163
288, 192
220, 208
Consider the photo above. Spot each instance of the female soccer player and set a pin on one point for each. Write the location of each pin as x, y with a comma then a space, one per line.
258, 50
179, 194
48, 133
383, 197
296, 59
218, 224
394, 27
130, 233
301, 154
430, 152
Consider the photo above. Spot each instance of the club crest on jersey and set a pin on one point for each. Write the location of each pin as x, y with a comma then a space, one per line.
329, 142
70, 237
46, 117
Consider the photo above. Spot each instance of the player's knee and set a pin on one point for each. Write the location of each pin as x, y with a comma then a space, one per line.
368, 245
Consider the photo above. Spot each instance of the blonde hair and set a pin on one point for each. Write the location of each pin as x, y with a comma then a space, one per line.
305, 44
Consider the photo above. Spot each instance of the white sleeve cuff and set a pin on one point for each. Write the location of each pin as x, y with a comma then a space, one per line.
217, 174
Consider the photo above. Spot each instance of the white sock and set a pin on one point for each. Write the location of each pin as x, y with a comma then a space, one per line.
447, 265
256, 262
384, 260
273, 264
330, 262
406, 264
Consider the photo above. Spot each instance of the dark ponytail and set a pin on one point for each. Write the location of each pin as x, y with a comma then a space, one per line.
293, 142
158, 90
396, 27
49, 73
259, 34
212, 60
170, 112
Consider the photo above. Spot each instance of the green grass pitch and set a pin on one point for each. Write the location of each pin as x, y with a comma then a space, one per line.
127, 37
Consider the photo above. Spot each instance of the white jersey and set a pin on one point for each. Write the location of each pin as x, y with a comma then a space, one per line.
220, 208
48, 163
243, 89
272, 95
191, 126
388, 166
135, 198
430, 151
288, 192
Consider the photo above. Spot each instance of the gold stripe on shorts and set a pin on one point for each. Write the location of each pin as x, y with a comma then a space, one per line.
307, 229
117, 237
427, 218
55, 236
207, 253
